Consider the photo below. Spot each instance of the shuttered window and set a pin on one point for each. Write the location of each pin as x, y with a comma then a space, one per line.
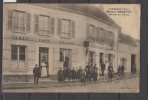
92, 57
73, 28
91, 32
98, 35
59, 27
66, 28
52, 25
87, 31
36, 22
112, 40
19, 21
101, 35
28, 22
44, 25
10, 19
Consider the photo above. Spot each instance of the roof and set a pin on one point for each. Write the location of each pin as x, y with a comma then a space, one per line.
84, 9
126, 39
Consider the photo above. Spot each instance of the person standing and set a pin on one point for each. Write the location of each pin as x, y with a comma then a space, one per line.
66, 63
36, 73
119, 71
87, 66
103, 68
110, 72
60, 76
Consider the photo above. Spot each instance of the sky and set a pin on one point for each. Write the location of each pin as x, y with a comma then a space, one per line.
130, 23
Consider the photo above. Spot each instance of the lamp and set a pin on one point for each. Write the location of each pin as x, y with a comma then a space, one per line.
86, 45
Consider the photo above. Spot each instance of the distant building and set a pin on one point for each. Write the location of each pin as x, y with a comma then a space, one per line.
49, 35
129, 52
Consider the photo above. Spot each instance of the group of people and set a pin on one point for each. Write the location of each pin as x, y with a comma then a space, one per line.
88, 74
71, 75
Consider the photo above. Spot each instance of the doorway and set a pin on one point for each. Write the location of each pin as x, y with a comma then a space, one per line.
110, 58
91, 58
133, 63
43, 61
65, 57
102, 58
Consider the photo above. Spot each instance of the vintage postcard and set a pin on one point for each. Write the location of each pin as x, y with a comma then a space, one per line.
55, 48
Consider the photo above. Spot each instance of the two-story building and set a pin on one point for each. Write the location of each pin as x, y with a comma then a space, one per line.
48, 35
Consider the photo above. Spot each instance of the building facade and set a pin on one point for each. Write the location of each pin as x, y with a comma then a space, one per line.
49, 35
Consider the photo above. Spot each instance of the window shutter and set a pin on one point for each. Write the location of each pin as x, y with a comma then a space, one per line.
94, 58
10, 19
87, 31
105, 36
95, 34
59, 27
52, 25
36, 22
28, 22
73, 28
98, 33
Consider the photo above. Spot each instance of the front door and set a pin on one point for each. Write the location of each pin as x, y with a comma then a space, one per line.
65, 57
102, 58
133, 63
43, 61
110, 58
91, 59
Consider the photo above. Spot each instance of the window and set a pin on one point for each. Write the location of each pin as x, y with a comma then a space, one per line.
19, 21
110, 58
108, 37
64, 54
44, 25
18, 52
123, 61
101, 35
91, 58
65, 57
102, 58
111, 39
98, 34
91, 32
66, 28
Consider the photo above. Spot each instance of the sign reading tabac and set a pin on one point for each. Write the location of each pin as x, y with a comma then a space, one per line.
87, 48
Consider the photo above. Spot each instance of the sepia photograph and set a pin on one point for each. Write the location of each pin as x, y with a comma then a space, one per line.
71, 48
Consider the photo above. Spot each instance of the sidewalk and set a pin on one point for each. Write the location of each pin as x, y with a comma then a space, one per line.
50, 82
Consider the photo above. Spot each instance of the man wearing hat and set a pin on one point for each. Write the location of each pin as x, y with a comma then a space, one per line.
36, 73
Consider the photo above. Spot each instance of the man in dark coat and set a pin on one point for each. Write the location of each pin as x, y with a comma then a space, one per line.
110, 72
79, 72
119, 71
83, 78
95, 73
36, 73
102, 68
122, 70
60, 76
87, 66
66, 63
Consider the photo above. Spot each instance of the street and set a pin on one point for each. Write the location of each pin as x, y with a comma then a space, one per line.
116, 86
